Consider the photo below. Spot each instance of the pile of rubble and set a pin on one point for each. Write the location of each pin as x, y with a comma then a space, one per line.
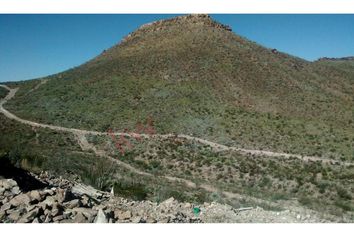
62, 201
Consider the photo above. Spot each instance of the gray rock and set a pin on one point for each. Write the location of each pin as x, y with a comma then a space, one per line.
62, 195
48, 219
81, 190
67, 221
36, 220
2, 215
5, 207
2, 190
151, 220
101, 217
72, 204
8, 184
8, 194
43, 206
168, 201
48, 192
90, 214
21, 199
122, 215
80, 218
49, 201
85, 201
15, 190
42, 218
35, 196
55, 212
136, 219
58, 218
47, 212
30, 208
4, 201
165, 220
29, 217
15, 216
67, 214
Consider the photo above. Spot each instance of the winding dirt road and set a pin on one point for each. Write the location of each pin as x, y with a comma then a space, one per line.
215, 146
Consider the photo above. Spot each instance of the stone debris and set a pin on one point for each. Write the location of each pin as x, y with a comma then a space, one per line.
62, 201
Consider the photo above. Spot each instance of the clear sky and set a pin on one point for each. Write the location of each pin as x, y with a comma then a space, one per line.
34, 46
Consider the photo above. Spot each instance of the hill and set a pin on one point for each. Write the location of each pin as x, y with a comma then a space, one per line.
194, 76
191, 76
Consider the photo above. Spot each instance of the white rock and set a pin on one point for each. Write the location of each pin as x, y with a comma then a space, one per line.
101, 217
15, 190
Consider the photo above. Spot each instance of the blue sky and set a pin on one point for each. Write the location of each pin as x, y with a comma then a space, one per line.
34, 46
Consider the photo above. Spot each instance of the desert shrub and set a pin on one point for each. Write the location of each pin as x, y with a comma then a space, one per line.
131, 190
343, 193
99, 174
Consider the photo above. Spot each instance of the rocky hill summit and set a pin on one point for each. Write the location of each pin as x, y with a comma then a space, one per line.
196, 19
62, 201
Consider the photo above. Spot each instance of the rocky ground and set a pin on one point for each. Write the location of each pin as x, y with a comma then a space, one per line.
58, 200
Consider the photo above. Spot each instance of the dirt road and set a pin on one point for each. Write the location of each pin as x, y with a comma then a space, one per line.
213, 145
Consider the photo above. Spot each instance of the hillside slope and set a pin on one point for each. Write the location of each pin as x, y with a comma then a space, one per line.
193, 75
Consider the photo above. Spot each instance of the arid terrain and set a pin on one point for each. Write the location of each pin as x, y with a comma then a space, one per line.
182, 114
